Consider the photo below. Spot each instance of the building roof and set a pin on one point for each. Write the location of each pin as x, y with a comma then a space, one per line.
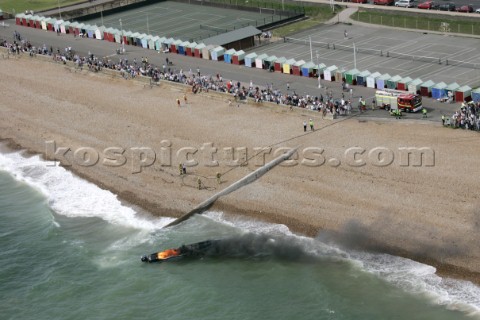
232, 36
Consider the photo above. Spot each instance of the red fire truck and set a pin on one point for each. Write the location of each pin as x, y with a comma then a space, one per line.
394, 99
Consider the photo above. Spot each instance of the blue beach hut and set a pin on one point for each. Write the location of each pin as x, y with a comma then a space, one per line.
227, 56
362, 78
307, 69
476, 95
382, 81
439, 91
250, 60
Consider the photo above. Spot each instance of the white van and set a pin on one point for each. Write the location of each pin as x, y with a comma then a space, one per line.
405, 3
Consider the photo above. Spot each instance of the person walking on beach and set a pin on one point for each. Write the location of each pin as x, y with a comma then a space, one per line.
178, 102
311, 125
185, 98
304, 125
345, 34
288, 86
424, 112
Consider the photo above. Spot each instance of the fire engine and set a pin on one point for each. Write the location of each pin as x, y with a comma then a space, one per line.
394, 99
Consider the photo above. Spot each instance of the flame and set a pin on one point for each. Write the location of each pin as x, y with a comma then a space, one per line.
168, 253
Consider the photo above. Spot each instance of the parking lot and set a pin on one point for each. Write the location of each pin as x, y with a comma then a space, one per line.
415, 49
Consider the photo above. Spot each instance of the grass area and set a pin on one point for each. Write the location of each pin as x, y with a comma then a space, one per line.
421, 22
17, 6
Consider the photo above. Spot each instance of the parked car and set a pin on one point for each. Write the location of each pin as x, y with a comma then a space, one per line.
359, 1
477, 11
384, 2
405, 3
465, 9
428, 5
446, 7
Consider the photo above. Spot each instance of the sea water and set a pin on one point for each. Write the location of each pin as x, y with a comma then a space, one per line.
70, 250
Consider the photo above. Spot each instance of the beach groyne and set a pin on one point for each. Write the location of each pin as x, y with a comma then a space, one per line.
235, 186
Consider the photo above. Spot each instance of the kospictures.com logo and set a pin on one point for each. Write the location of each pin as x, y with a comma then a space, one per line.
208, 155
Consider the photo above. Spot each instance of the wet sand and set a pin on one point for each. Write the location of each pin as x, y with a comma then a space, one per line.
428, 212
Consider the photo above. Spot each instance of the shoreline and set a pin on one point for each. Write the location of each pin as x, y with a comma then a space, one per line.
301, 188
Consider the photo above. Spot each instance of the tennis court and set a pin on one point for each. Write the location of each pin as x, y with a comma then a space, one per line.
417, 55
184, 21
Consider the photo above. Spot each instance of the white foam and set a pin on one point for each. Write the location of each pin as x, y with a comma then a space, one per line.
409, 275
72, 196
421, 279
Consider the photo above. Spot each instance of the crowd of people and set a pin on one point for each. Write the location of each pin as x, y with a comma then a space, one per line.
468, 117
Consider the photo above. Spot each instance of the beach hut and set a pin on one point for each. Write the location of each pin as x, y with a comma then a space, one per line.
43, 22
99, 33
393, 82
439, 91
28, 20
451, 89
174, 46
197, 51
250, 59
259, 60
351, 76
19, 18
152, 41
24, 20
382, 81
307, 69
426, 88
476, 95
73, 25
217, 53
51, 24
127, 37
56, 25
108, 35
372, 80
227, 56
414, 86
144, 39
117, 35
463, 94
136, 39
190, 49
238, 57
65, 27
159, 43
318, 70
167, 44
287, 66
362, 78
297, 67
329, 73
278, 64
340, 75
36, 22
269, 63
206, 51
182, 48
90, 30
403, 83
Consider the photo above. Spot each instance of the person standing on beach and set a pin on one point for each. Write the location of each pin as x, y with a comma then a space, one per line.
185, 98
304, 126
311, 125
178, 102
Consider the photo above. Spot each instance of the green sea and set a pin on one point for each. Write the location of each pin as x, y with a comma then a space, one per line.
70, 250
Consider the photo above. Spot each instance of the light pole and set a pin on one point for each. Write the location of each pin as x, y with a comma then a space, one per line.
59, 12
318, 70
122, 40
354, 57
